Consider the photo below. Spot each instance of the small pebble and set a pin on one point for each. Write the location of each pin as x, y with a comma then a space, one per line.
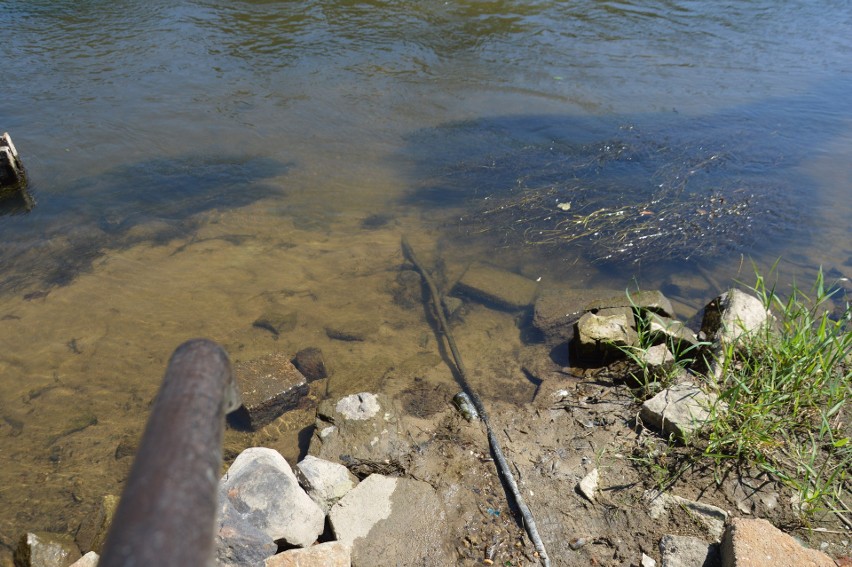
576, 543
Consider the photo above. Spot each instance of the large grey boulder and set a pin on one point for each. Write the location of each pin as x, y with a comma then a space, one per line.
361, 431
392, 521
262, 504
324, 481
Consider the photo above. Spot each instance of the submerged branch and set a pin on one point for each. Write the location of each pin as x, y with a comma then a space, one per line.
502, 465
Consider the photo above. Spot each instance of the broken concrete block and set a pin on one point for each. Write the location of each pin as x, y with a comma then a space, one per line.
678, 411
757, 543
270, 386
497, 287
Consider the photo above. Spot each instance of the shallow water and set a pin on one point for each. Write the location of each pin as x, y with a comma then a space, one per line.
194, 164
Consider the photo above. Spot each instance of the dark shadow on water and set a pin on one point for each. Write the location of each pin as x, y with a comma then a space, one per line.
654, 188
153, 201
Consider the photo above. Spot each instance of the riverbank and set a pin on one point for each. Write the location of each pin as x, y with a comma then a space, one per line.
604, 484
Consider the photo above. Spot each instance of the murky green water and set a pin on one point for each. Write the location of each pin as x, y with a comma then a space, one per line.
196, 163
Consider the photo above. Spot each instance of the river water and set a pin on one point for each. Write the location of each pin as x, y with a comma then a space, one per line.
194, 164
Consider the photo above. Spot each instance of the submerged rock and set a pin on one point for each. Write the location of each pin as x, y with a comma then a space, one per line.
269, 386
309, 361
497, 287
557, 310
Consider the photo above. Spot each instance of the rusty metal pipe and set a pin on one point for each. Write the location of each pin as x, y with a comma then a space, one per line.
167, 512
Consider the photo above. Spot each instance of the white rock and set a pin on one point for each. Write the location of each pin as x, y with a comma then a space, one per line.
324, 481
358, 406
589, 485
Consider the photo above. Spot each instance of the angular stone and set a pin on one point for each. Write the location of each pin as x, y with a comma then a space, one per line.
557, 310
679, 410
270, 386
44, 549
657, 356
671, 331
712, 517
261, 503
88, 560
588, 486
598, 335
358, 406
93, 530
687, 551
310, 363
329, 554
732, 314
363, 432
652, 301
757, 543
324, 481
11, 169
392, 521
497, 287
